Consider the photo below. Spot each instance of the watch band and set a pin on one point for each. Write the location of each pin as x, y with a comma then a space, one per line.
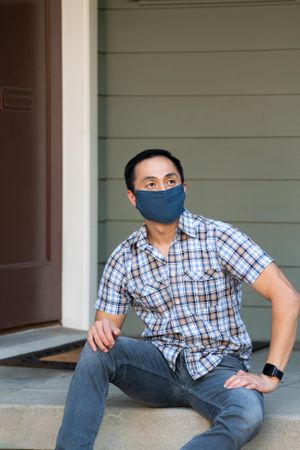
272, 371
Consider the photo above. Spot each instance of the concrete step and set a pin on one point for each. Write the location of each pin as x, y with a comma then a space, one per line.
32, 402
129, 426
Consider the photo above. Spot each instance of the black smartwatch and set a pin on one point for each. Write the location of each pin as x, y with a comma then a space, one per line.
272, 371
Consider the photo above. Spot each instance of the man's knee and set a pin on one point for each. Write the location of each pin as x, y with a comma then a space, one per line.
250, 413
243, 418
253, 415
91, 360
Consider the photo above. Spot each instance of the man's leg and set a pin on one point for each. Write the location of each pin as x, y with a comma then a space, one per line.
236, 414
135, 366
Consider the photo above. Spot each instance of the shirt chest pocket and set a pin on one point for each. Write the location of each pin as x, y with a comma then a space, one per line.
153, 296
203, 289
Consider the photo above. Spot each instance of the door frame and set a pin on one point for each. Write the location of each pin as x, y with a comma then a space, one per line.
80, 167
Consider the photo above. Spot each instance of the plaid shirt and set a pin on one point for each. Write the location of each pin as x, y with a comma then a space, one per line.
191, 301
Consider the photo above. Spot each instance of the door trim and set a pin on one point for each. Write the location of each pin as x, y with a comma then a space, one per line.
80, 168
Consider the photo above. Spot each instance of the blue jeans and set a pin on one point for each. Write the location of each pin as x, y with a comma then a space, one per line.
140, 370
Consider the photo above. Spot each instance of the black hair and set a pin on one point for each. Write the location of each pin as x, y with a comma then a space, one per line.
147, 154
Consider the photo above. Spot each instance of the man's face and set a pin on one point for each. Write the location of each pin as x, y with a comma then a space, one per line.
154, 174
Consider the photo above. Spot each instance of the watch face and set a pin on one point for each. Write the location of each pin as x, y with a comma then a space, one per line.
272, 371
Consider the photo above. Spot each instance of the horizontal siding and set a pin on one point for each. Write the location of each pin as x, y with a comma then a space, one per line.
137, 4
272, 72
251, 298
264, 201
268, 158
102, 160
104, 250
133, 326
219, 87
200, 116
201, 29
102, 200
234, 201
258, 322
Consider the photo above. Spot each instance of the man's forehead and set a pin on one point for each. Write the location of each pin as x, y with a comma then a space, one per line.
167, 175
157, 166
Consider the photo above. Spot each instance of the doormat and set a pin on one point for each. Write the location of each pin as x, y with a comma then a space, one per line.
65, 357
62, 357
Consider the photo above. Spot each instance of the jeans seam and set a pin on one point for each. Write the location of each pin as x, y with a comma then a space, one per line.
100, 417
186, 388
101, 413
137, 366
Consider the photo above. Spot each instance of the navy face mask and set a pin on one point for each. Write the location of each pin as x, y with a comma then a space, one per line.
161, 206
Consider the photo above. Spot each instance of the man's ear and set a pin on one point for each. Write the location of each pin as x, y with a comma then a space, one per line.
185, 187
131, 197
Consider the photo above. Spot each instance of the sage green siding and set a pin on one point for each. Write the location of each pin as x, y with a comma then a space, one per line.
220, 87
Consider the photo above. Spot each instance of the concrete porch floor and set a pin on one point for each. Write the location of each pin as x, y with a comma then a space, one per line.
32, 402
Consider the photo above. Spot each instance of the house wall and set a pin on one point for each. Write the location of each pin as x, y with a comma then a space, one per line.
218, 86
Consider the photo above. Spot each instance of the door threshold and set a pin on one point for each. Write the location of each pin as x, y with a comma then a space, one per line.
36, 339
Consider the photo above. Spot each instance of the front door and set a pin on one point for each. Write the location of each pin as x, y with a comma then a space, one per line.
30, 162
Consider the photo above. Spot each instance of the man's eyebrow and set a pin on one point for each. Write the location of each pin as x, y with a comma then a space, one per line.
149, 178
172, 174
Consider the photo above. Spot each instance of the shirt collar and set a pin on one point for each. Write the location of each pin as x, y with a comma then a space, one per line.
186, 224
140, 237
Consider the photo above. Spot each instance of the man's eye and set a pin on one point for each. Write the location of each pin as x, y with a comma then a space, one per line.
171, 182
150, 185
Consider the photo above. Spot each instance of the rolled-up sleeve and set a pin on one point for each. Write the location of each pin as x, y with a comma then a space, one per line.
239, 254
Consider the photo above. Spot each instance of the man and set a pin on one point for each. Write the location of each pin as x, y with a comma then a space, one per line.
182, 275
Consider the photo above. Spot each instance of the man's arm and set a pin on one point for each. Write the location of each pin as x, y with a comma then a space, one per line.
275, 287
104, 330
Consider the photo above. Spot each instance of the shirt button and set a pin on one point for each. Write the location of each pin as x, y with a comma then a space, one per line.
173, 274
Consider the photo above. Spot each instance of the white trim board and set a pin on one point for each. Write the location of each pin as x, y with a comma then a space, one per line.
79, 75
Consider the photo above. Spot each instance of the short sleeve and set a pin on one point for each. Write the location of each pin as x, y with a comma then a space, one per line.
112, 293
239, 254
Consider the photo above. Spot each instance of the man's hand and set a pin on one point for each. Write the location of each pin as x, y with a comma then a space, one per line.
259, 382
102, 334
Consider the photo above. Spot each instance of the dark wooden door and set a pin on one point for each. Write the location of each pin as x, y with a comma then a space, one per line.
30, 162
